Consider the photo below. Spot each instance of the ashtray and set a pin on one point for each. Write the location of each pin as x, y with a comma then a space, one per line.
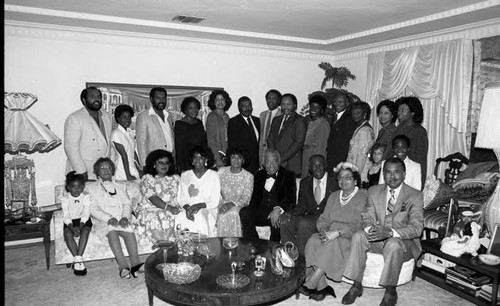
160, 266
489, 259
233, 281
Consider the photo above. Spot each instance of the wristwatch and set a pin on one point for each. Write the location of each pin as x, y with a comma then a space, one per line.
391, 234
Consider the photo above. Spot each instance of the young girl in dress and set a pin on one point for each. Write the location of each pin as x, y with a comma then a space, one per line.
76, 217
376, 157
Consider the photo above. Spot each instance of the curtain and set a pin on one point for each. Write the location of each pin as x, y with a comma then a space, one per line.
440, 76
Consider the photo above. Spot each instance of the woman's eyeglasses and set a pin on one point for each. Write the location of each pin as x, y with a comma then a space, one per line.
345, 178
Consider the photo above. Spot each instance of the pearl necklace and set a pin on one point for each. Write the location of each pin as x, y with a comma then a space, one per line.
110, 193
345, 200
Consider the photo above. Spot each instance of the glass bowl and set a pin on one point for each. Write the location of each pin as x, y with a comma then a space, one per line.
230, 242
181, 273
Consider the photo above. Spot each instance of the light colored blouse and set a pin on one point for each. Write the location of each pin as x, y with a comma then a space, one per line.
75, 208
126, 139
359, 147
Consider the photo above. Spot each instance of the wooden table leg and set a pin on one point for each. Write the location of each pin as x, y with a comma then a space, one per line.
46, 242
150, 296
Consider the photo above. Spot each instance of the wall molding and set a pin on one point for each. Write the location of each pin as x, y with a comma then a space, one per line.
44, 31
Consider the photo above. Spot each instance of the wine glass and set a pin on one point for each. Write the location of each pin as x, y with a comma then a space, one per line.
260, 264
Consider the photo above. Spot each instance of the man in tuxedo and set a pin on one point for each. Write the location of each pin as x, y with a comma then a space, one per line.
87, 135
298, 224
273, 100
393, 222
341, 131
287, 135
273, 194
243, 134
154, 126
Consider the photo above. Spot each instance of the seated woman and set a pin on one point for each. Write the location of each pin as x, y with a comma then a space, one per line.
327, 251
236, 191
374, 170
110, 210
199, 194
159, 185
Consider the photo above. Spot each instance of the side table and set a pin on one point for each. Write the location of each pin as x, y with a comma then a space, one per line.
433, 246
21, 230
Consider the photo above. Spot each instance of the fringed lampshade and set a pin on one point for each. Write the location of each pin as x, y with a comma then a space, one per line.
488, 136
24, 132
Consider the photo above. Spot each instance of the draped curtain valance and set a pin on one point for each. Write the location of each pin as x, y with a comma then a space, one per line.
440, 71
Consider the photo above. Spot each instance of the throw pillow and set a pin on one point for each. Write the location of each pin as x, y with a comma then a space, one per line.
436, 193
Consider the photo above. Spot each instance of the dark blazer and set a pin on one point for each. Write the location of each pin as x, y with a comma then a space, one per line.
306, 204
284, 186
407, 217
338, 141
290, 141
241, 136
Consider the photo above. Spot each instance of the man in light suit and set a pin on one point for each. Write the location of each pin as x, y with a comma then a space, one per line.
393, 222
274, 192
87, 135
341, 131
273, 100
243, 134
154, 126
287, 135
299, 224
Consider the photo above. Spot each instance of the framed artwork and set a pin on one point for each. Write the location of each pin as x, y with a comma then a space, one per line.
137, 96
17, 205
494, 247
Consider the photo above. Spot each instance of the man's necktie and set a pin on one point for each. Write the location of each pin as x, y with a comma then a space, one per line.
335, 117
317, 191
268, 125
391, 202
250, 124
282, 123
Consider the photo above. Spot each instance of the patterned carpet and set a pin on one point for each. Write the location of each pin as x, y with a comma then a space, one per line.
28, 282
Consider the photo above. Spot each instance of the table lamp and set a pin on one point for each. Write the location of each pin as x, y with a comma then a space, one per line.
23, 133
488, 137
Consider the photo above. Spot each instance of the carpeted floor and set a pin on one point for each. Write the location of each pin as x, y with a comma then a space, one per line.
28, 282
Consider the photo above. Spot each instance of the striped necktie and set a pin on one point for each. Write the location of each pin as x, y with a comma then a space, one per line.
391, 202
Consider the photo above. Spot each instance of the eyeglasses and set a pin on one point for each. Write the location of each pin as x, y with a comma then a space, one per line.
344, 178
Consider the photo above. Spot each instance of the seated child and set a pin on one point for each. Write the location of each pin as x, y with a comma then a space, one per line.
376, 157
76, 217
400, 148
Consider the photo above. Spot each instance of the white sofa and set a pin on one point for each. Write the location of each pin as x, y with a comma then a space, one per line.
96, 249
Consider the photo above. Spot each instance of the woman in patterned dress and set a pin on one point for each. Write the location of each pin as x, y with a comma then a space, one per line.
362, 138
236, 191
158, 207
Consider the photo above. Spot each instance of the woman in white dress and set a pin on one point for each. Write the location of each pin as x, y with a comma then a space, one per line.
199, 194
124, 141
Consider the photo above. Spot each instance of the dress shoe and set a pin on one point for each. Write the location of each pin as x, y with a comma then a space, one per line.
351, 295
134, 271
321, 294
305, 291
390, 299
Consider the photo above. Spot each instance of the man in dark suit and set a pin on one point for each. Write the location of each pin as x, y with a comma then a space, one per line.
299, 223
341, 131
288, 133
243, 134
273, 194
393, 221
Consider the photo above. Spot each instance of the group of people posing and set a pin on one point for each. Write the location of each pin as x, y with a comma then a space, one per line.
357, 194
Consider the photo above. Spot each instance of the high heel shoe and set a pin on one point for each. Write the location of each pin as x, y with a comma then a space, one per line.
135, 270
125, 273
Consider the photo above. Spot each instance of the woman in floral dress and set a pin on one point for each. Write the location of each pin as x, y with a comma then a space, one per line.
158, 207
236, 186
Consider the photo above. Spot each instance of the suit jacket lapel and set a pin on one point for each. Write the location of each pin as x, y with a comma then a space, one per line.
399, 200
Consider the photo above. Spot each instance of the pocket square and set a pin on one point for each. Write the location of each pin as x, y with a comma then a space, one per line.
403, 207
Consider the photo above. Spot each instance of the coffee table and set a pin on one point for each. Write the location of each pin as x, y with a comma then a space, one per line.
267, 289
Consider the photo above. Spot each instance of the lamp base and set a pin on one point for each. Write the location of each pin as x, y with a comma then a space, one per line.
492, 206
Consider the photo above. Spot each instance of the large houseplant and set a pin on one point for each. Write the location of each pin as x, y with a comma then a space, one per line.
339, 77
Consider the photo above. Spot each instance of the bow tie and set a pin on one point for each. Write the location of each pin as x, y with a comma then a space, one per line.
274, 176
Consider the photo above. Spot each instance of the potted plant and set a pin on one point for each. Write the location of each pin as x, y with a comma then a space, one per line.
339, 77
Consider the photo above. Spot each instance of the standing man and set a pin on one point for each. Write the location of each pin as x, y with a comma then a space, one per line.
299, 224
393, 222
287, 135
273, 100
341, 131
274, 190
154, 126
87, 135
243, 134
